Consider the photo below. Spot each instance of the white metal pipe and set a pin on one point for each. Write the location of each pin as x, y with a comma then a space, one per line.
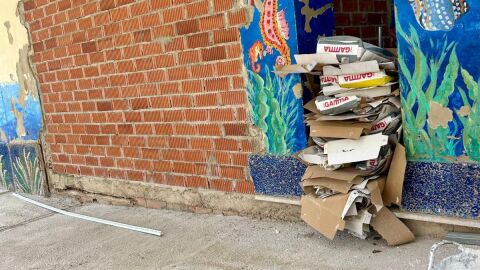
98, 220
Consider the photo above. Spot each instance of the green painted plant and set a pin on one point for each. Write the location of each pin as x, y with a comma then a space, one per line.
28, 176
275, 111
3, 174
430, 80
471, 130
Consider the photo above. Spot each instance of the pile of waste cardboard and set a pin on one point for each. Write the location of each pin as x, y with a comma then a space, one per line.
355, 161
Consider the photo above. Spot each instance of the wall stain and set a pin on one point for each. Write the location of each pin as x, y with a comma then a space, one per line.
311, 13
8, 26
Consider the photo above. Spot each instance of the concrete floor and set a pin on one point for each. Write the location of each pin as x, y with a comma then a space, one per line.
34, 238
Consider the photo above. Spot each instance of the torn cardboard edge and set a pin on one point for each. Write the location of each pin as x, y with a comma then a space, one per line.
395, 178
349, 174
391, 228
338, 129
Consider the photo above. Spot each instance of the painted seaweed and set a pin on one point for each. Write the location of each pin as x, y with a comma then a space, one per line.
3, 174
471, 131
274, 110
427, 86
28, 176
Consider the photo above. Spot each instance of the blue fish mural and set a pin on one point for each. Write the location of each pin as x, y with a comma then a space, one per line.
438, 15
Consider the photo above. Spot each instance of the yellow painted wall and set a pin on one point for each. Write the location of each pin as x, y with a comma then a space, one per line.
13, 37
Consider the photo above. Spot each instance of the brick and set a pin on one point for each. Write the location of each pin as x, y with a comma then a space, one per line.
136, 175
142, 36
226, 35
217, 84
232, 172
222, 5
235, 129
188, 57
201, 143
162, 166
198, 40
174, 14
246, 187
29, 5
160, 4
150, 20
182, 167
181, 101
197, 9
233, 98
240, 17
180, 73
175, 180
206, 100
107, 4
187, 27
166, 60
229, 68
120, 14
212, 22
196, 182
215, 53
176, 44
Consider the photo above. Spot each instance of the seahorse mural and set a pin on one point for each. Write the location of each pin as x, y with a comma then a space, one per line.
275, 31
254, 54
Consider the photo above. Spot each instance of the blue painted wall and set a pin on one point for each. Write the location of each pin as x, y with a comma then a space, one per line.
439, 77
20, 167
32, 116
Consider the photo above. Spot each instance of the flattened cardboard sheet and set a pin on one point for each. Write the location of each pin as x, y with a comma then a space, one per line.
349, 174
333, 184
360, 67
348, 150
396, 175
324, 215
391, 228
338, 129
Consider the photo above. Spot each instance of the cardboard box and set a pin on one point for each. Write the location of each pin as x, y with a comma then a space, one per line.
363, 80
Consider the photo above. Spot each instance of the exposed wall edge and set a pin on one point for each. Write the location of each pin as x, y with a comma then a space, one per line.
172, 197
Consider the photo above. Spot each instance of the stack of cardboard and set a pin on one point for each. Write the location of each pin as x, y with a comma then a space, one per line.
355, 129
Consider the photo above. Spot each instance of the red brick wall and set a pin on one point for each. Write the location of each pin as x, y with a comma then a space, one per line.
361, 18
146, 90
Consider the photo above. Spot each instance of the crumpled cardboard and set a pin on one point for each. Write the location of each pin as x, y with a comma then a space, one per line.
330, 214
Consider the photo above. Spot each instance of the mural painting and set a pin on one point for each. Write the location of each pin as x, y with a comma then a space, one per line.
20, 111
439, 77
440, 80
278, 30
